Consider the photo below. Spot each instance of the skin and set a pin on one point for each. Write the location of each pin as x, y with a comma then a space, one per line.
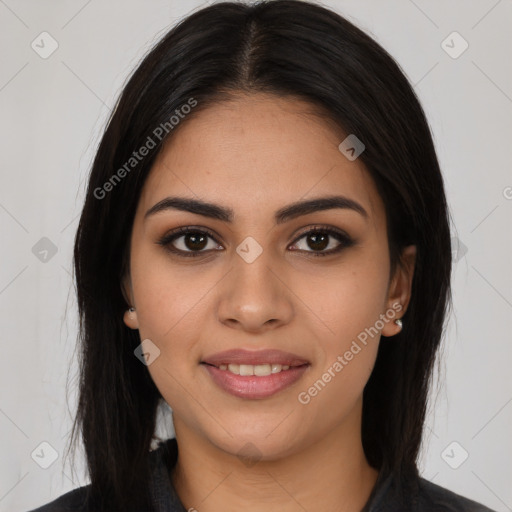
255, 155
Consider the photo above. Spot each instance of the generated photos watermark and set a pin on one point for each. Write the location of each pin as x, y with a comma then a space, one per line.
304, 397
158, 133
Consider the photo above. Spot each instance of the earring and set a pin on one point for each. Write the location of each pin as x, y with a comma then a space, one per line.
131, 310
398, 322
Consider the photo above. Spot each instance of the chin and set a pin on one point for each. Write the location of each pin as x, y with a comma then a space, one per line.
254, 447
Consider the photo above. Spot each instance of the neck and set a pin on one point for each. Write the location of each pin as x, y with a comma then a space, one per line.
329, 474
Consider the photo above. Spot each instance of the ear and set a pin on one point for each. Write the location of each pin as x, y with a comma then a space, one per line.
130, 318
130, 315
399, 290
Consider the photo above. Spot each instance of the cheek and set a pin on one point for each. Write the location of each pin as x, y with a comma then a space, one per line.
348, 299
170, 311
165, 291
350, 307
347, 354
169, 301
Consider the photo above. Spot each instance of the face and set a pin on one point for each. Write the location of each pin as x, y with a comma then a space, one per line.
310, 283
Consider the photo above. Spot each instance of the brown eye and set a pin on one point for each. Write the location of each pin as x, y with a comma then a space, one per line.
195, 241
319, 239
189, 242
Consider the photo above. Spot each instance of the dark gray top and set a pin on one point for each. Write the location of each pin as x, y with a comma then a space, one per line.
387, 495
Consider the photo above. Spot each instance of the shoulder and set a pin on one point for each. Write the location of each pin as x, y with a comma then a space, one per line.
161, 459
434, 497
417, 494
72, 501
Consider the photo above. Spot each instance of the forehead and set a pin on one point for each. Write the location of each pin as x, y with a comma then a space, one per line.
257, 151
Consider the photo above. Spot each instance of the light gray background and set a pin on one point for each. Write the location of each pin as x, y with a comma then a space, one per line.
52, 113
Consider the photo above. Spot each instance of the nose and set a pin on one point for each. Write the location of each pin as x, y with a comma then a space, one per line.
254, 297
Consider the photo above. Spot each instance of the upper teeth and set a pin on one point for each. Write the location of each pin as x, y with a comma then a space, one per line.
260, 370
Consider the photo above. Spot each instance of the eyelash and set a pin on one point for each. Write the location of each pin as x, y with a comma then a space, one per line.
167, 239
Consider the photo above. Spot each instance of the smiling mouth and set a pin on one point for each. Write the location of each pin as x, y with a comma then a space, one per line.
258, 370
254, 374
253, 382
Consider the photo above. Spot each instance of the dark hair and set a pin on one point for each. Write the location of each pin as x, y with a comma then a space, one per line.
291, 49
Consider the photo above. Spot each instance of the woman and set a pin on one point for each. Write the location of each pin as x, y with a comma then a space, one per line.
265, 247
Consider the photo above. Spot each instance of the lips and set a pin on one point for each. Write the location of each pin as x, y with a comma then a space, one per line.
245, 374
251, 357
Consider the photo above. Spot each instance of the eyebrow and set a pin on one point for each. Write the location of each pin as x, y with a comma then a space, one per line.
282, 215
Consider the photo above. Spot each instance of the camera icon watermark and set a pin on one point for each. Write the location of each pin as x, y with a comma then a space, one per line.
44, 455
249, 454
249, 249
459, 250
351, 147
454, 455
44, 250
44, 45
147, 352
454, 45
